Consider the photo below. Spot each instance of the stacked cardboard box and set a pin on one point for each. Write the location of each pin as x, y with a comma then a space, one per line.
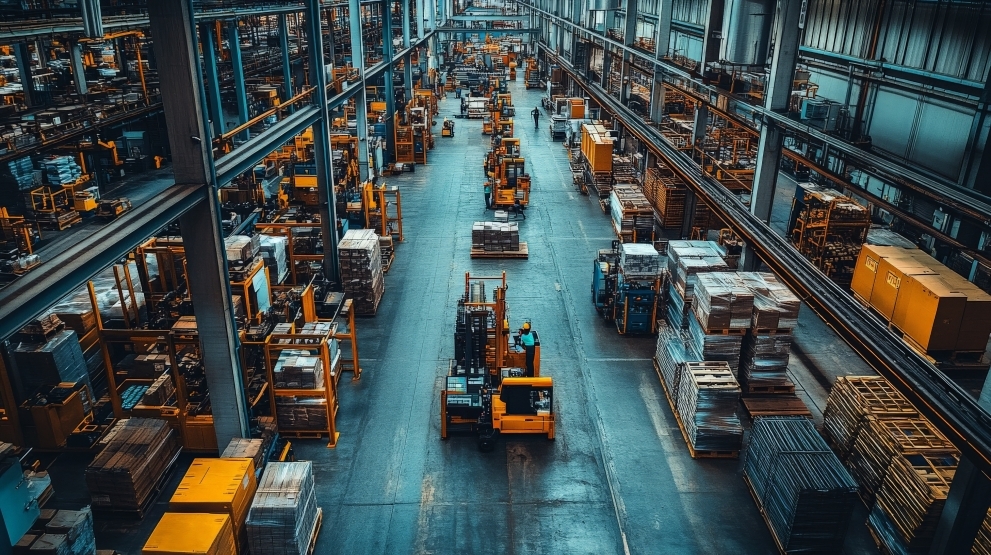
218, 486
241, 248
639, 261
767, 345
632, 215
685, 260
273, 251
244, 448
301, 413
723, 301
298, 370
159, 392
136, 454
284, 515
61, 170
361, 270
495, 236
58, 359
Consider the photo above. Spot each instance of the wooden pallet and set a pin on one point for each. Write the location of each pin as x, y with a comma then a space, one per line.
771, 331
728, 331
303, 434
775, 389
696, 454
523, 253
316, 532
775, 405
767, 521
138, 514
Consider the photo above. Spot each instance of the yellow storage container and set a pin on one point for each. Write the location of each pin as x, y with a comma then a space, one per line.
976, 325
191, 534
930, 311
577, 106
865, 272
217, 486
891, 273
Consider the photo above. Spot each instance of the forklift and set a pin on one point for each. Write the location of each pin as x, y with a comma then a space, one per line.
628, 298
489, 390
506, 169
447, 130
112, 208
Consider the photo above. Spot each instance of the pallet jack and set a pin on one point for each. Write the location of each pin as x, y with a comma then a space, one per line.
489, 390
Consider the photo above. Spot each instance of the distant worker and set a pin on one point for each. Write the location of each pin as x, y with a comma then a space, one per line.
536, 118
488, 195
528, 339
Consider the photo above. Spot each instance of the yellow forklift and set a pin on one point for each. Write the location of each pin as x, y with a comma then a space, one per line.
490, 388
506, 169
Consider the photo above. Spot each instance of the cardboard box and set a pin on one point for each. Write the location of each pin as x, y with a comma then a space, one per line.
217, 486
929, 311
891, 273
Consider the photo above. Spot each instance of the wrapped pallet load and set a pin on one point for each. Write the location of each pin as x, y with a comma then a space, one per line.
284, 518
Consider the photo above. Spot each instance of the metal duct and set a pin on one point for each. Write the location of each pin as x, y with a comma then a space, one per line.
746, 31
92, 18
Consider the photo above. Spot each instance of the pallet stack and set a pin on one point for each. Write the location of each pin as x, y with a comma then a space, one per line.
361, 270
495, 236
136, 455
666, 193
624, 171
673, 351
50, 359
767, 344
301, 413
632, 215
851, 400
686, 259
284, 517
707, 399
801, 488
722, 310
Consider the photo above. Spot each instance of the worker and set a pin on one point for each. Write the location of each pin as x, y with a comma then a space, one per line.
528, 338
536, 118
488, 195
464, 106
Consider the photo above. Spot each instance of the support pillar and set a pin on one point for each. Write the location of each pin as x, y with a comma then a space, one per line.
240, 91
360, 99
78, 69
606, 66
701, 125
22, 55
321, 145
212, 79
712, 40
419, 18
777, 96
976, 172
657, 98
287, 88
390, 93
209, 284
662, 33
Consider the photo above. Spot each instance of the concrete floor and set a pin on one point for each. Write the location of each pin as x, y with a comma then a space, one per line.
618, 478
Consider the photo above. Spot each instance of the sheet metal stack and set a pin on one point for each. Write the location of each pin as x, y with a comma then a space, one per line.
707, 399
686, 259
911, 500
137, 453
632, 215
71, 531
495, 236
852, 400
673, 351
57, 359
284, 516
767, 345
361, 270
803, 490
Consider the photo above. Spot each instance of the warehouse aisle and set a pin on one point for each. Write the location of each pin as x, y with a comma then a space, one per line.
617, 479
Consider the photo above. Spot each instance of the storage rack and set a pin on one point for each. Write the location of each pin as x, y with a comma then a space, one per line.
318, 346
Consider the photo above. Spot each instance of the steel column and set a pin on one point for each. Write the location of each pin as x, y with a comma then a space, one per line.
406, 24
419, 18
712, 40
630, 30
321, 145
192, 159
976, 173
22, 55
965, 508
390, 93
662, 34
777, 95
237, 66
360, 99
657, 97
212, 78
287, 88
78, 70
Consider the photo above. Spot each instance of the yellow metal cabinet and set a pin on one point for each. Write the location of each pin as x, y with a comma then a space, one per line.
191, 534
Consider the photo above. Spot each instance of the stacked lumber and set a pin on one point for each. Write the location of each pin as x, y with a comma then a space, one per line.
137, 453
852, 400
982, 544
804, 492
632, 215
911, 499
495, 236
707, 399
301, 413
666, 193
284, 516
361, 270
881, 440
723, 301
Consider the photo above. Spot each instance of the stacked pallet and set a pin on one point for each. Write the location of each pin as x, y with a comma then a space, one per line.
361, 270
686, 259
124, 475
245, 448
673, 351
624, 171
632, 215
273, 250
284, 517
911, 499
666, 193
301, 413
881, 440
767, 345
298, 370
802, 489
495, 236
723, 301
852, 400
55, 359
71, 531
639, 261
982, 544
707, 399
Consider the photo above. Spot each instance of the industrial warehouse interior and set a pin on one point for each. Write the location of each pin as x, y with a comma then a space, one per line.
297, 277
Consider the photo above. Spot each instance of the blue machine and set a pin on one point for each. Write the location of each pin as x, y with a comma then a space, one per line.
630, 303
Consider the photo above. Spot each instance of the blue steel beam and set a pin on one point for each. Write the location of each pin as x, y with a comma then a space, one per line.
237, 65
212, 78
287, 88
361, 102
390, 93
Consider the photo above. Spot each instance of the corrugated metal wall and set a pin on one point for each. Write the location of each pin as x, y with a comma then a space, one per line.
690, 11
949, 37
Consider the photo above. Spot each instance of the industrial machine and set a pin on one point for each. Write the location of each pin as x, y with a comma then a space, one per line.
505, 168
113, 208
488, 390
532, 74
448, 128
628, 296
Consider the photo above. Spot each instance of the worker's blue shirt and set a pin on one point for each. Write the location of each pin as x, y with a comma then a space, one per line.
488, 189
527, 339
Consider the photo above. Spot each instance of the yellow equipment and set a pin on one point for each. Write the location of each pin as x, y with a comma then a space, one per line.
15, 230
448, 128
86, 200
505, 168
113, 208
487, 389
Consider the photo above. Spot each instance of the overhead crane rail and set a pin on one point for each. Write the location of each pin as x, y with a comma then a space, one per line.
951, 408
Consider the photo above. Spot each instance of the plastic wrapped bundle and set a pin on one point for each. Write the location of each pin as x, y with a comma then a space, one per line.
715, 347
273, 251
775, 306
677, 308
687, 258
708, 397
851, 400
800, 485
764, 359
283, 516
495, 236
638, 260
296, 369
61, 170
59, 359
723, 301
361, 270
671, 355
77, 526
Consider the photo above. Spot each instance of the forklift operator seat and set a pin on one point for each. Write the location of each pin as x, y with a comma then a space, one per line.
518, 399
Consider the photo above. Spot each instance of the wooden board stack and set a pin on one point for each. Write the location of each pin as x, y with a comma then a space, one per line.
666, 193
804, 492
284, 516
707, 399
361, 270
632, 215
851, 400
136, 455
495, 236
301, 413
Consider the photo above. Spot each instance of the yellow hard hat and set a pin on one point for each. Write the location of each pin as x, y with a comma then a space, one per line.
526, 326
